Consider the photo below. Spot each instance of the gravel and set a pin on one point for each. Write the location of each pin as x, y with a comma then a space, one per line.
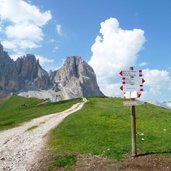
21, 146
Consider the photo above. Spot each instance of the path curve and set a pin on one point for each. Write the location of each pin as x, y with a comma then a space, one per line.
19, 148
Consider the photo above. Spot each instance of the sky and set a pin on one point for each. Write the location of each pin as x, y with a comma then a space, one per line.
111, 35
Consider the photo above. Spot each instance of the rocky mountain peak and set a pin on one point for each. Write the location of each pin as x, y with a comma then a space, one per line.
1, 47
9, 79
27, 67
3, 54
30, 70
76, 78
73, 63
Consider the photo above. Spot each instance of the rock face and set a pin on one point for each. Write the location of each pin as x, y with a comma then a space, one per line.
9, 78
32, 73
26, 77
23, 74
75, 79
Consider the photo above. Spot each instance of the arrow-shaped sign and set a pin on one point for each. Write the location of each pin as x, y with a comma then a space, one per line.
121, 87
131, 73
127, 87
132, 81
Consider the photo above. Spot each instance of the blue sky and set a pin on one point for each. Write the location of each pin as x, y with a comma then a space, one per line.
61, 28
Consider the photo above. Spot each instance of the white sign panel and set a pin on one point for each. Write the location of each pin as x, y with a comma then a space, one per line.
133, 81
133, 87
131, 94
132, 103
131, 73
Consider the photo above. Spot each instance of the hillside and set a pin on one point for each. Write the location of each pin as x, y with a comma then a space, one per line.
98, 136
17, 110
102, 128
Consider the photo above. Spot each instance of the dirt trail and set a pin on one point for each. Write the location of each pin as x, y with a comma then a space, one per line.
20, 146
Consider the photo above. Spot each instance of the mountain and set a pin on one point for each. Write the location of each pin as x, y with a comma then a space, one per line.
9, 78
75, 79
34, 76
26, 77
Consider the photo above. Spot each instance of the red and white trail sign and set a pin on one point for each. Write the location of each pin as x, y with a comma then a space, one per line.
132, 86
132, 83
130, 73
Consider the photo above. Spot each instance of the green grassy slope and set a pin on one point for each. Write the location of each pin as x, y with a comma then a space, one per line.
19, 109
103, 128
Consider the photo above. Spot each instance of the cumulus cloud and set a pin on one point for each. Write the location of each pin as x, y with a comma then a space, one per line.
156, 77
19, 11
156, 80
59, 29
25, 23
113, 50
157, 85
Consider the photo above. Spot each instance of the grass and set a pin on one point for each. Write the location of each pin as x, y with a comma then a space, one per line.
17, 110
103, 128
66, 161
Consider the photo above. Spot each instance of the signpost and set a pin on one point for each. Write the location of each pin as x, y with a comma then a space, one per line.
132, 86
132, 103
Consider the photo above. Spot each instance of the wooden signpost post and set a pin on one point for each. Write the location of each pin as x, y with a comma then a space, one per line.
132, 87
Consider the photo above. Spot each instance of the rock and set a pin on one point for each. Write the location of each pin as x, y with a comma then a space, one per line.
76, 79
9, 78
32, 73
26, 77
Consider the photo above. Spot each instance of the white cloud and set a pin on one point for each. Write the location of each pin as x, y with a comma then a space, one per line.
43, 60
115, 49
52, 40
55, 48
26, 31
19, 11
9, 44
25, 22
157, 85
156, 80
142, 64
156, 77
59, 29
17, 55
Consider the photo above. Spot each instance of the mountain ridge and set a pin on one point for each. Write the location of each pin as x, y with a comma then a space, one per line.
26, 77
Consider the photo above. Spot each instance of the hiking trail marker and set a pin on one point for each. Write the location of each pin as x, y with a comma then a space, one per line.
132, 83
132, 86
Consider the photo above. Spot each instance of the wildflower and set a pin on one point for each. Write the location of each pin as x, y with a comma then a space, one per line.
142, 139
142, 134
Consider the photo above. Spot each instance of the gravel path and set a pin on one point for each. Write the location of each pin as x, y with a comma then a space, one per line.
20, 146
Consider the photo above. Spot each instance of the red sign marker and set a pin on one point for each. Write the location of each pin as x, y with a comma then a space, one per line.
140, 73
121, 87
143, 81
138, 94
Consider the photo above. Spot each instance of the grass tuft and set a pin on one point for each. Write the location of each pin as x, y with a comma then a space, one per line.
66, 161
